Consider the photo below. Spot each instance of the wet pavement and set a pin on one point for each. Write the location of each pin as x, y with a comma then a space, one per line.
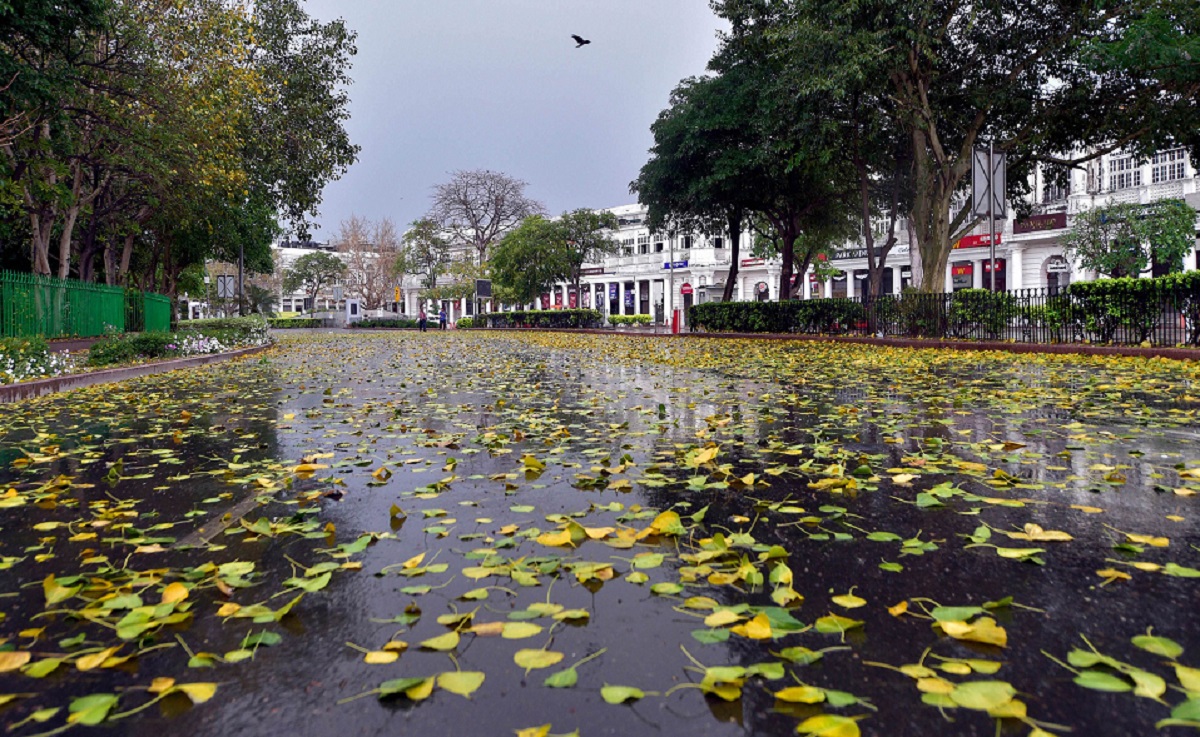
818, 498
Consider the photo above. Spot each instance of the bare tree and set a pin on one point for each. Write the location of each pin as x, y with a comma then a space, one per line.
475, 208
369, 250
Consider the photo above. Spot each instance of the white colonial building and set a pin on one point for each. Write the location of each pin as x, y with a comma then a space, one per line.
656, 273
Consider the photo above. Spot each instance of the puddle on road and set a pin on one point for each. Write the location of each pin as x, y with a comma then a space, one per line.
808, 488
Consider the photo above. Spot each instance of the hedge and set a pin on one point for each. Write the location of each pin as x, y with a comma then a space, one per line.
1162, 310
544, 319
384, 322
285, 323
807, 316
630, 319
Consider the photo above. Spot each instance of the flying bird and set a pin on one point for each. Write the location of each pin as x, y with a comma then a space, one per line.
579, 40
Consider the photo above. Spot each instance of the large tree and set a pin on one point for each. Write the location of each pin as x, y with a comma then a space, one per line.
1041, 80
370, 250
475, 208
1125, 239
312, 271
424, 252
296, 139
747, 139
146, 122
541, 252
702, 168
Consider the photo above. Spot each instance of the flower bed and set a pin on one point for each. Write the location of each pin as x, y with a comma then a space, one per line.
23, 359
194, 338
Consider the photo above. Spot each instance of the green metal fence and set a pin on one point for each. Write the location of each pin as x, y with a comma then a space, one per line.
57, 308
158, 312
146, 312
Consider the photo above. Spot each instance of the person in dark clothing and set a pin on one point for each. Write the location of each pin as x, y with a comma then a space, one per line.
421, 318
442, 319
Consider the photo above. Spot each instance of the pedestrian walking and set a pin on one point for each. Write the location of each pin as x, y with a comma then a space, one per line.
442, 319
421, 320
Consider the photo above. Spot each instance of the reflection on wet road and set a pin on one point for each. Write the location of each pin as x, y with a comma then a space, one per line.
477, 534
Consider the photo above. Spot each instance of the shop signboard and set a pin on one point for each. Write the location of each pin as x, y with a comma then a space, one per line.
593, 271
1035, 223
753, 261
1057, 265
962, 275
975, 241
675, 265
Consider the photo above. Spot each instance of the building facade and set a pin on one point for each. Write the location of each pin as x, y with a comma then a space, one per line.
654, 273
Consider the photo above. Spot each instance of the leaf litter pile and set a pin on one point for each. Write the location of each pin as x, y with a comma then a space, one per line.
548, 534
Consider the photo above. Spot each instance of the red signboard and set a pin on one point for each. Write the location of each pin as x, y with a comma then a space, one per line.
962, 270
974, 241
753, 262
685, 289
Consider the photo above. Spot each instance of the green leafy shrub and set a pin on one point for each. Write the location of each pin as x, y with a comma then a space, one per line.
1129, 310
630, 319
285, 323
543, 319
195, 337
792, 316
384, 322
465, 323
231, 331
22, 359
980, 313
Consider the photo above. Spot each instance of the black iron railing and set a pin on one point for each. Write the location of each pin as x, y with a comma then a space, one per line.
1160, 312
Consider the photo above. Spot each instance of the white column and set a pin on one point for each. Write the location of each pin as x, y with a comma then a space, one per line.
896, 279
850, 283
1016, 268
950, 277
978, 279
827, 289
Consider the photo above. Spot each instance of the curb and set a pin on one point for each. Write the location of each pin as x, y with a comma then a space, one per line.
1179, 354
41, 387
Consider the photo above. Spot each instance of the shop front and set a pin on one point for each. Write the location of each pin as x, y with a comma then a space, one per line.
1001, 281
840, 285
1057, 273
962, 275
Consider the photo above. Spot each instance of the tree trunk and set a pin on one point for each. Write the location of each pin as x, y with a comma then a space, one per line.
126, 256
788, 254
735, 240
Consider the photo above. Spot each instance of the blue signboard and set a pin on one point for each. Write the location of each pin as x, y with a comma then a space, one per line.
612, 291
676, 265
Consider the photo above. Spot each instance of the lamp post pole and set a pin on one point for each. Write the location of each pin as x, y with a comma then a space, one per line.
992, 217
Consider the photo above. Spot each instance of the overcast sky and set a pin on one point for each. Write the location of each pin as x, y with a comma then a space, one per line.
441, 85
